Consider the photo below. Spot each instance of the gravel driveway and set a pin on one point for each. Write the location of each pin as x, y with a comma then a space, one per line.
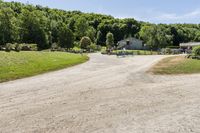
105, 95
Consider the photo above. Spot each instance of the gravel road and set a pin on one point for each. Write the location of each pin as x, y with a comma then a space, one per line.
105, 95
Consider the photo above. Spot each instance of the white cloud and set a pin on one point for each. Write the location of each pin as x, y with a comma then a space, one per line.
190, 17
195, 13
155, 16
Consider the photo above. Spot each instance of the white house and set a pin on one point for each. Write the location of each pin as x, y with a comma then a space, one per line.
131, 44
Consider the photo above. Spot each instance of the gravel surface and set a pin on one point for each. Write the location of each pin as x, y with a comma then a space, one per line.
105, 95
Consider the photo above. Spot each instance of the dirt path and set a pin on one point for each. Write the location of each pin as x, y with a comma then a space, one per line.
105, 95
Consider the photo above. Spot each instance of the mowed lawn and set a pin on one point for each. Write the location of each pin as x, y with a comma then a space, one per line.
14, 65
176, 65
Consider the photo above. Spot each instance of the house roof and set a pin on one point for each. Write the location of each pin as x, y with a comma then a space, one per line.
191, 44
130, 39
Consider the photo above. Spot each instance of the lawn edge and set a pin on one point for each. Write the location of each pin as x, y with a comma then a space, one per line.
46, 72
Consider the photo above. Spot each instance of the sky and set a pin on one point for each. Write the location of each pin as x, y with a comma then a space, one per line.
154, 11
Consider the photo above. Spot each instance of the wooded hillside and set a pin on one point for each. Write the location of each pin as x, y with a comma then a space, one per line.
21, 23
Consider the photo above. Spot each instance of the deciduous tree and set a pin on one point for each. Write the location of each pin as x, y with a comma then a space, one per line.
66, 37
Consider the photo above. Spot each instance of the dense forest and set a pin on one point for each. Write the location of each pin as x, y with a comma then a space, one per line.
23, 23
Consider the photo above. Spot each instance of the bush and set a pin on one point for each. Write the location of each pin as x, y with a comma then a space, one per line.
168, 51
93, 47
109, 40
18, 47
98, 48
2, 48
29, 47
104, 52
196, 51
9, 47
66, 37
61, 49
77, 44
85, 42
33, 47
54, 47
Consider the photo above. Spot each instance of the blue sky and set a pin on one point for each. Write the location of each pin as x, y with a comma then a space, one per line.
156, 11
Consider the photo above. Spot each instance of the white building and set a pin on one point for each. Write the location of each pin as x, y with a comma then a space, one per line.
189, 45
131, 44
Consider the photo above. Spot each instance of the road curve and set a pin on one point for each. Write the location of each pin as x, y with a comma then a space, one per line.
105, 95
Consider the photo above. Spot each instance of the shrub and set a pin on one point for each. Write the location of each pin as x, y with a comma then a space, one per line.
61, 49
85, 42
8, 47
25, 48
196, 51
54, 47
93, 47
103, 52
151, 52
168, 51
29, 47
66, 37
2, 48
33, 47
109, 40
77, 44
98, 47
18, 47
138, 52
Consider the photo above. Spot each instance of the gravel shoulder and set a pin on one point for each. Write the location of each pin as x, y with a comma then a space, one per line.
104, 95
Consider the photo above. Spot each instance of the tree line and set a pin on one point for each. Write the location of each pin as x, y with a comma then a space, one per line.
24, 23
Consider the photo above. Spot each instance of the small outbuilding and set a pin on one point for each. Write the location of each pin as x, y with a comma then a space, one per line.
131, 43
189, 45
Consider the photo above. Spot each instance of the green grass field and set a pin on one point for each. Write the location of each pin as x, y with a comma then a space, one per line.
177, 65
15, 65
